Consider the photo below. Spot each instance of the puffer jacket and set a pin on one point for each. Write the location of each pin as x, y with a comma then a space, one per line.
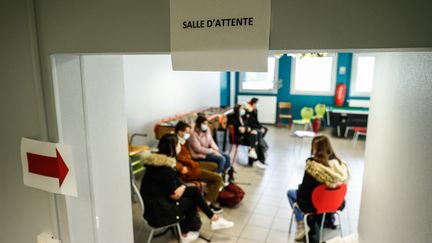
158, 184
317, 174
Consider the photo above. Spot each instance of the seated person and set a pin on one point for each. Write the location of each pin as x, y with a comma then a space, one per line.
203, 148
246, 135
252, 116
190, 170
167, 200
324, 167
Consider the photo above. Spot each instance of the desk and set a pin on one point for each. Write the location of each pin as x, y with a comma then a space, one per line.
342, 117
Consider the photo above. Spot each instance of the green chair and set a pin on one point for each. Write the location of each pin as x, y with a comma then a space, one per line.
306, 114
320, 110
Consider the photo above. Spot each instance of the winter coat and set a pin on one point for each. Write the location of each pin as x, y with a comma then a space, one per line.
316, 174
241, 138
252, 117
184, 159
158, 184
201, 143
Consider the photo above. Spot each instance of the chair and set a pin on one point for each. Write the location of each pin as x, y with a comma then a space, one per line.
320, 110
281, 115
357, 132
233, 142
306, 114
136, 192
325, 200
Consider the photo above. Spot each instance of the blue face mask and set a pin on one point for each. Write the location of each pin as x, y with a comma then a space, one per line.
242, 112
204, 127
186, 136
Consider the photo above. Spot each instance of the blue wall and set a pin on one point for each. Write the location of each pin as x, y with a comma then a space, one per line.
225, 86
300, 101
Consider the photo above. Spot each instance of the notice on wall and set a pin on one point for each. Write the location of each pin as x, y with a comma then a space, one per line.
48, 166
220, 35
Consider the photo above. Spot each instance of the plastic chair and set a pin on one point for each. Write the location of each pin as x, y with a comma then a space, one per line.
281, 115
136, 193
357, 132
320, 110
306, 114
325, 200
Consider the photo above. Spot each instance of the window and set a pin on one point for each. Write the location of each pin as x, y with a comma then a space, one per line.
313, 75
362, 74
261, 82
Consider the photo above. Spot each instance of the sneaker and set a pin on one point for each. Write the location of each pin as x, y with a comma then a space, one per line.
221, 223
215, 209
300, 233
260, 165
190, 236
252, 154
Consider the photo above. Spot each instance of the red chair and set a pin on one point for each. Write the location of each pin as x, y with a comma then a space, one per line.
233, 142
325, 200
357, 132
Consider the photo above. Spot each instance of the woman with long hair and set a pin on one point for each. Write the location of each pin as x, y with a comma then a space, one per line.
167, 200
324, 167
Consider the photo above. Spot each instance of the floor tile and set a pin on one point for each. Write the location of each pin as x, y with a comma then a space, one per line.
257, 233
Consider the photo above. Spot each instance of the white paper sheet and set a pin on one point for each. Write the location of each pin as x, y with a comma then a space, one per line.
239, 43
47, 183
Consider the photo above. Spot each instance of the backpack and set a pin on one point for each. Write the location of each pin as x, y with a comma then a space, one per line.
231, 195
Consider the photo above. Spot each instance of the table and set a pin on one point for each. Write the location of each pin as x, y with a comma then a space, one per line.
342, 117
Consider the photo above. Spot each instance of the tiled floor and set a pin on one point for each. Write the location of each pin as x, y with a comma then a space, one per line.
263, 215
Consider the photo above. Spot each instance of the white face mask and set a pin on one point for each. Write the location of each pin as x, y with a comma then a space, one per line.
181, 140
204, 127
186, 136
178, 149
242, 112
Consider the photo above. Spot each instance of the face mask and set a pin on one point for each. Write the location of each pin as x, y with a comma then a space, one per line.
181, 140
204, 127
186, 136
242, 112
178, 149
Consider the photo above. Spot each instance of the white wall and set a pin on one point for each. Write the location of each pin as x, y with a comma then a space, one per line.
92, 119
24, 211
266, 107
397, 189
154, 91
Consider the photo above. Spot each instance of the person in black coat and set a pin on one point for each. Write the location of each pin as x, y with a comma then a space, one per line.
245, 134
324, 167
167, 200
252, 116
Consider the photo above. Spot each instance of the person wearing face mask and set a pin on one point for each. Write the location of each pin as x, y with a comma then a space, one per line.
167, 200
245, 135
252, 116
190, 170
203, 148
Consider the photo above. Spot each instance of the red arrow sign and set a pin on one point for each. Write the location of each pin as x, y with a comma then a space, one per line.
48, 166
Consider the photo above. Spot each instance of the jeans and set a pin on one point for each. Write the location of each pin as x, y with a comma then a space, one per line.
223, 162
292, 198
